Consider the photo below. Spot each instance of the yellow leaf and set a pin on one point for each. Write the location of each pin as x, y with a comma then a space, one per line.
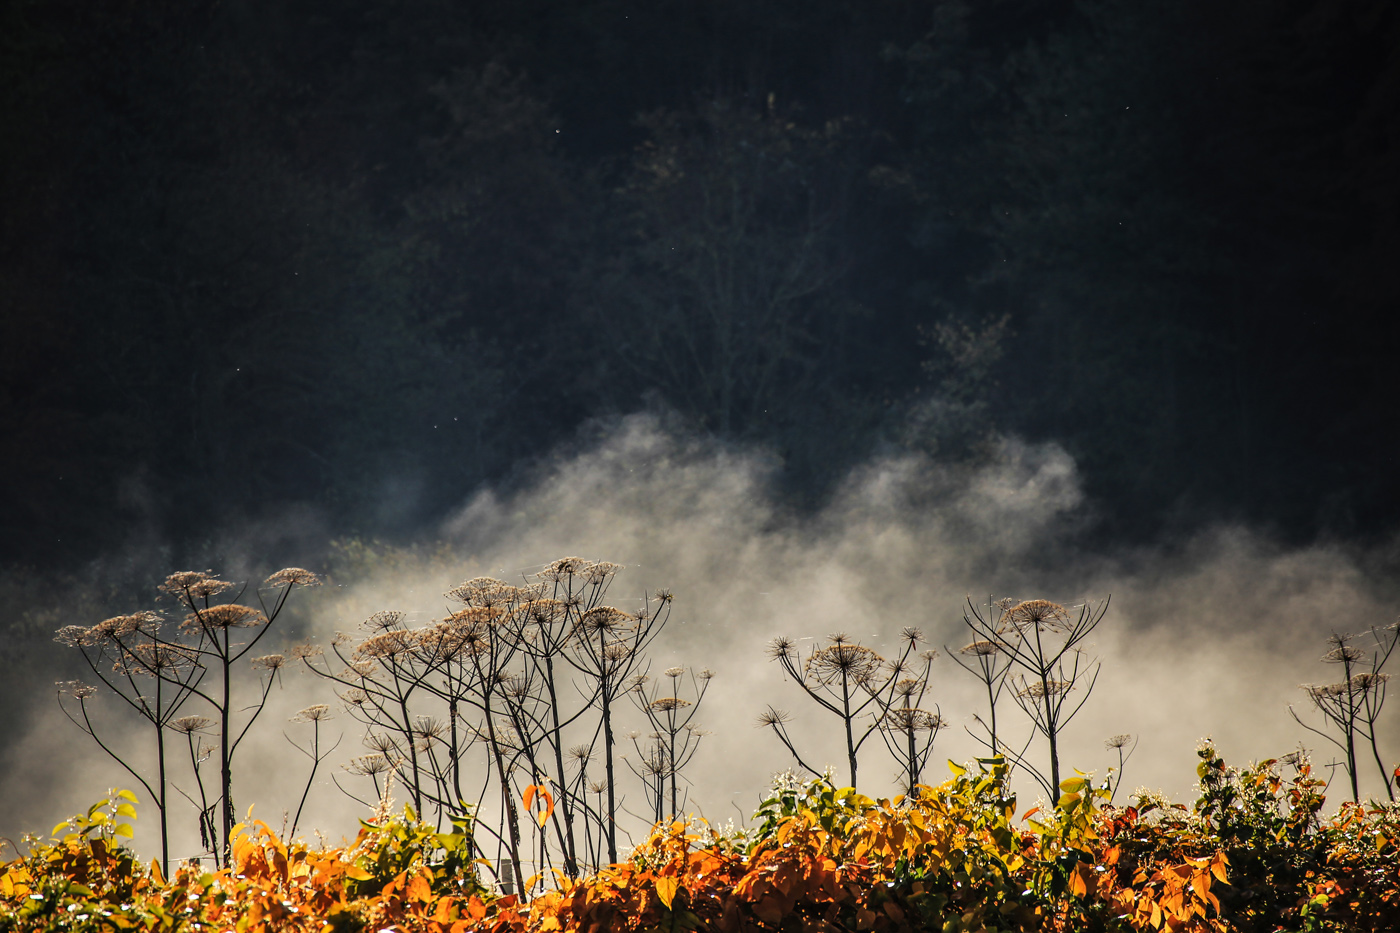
127, 795
123, 830
126, 809
666, 890
957, 769
355, 873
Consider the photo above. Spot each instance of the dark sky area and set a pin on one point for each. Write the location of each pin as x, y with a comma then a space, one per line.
362, 257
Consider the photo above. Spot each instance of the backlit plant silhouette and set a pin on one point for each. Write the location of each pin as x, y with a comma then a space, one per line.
1044, 665
493, 675
177, 665
852, 681
1352, 705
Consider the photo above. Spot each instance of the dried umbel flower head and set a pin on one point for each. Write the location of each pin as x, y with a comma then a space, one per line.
429, 727
194, 584
152, 659
483, 591
119, 627
705, 675
907, 687
674, 672
269, 662
305, 652
387, 645
843, 662
292, 576
1117, 741
911, 720
617, 651
1040, 689
74, 636
382, 742
669, 704
384, 620
980, 649
664, 596
605, 619
320, 712
354, 697
773, 716
75, 688
1368, 680
191, 724
368, 765
580, 754
911, 635
1344, 654
219, 618
601, 571
564, 568
1035, 614
781, 647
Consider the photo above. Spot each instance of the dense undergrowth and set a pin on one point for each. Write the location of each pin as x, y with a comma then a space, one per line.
1254, 853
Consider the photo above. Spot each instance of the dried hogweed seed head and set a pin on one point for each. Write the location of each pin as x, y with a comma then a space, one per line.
1035, 614
664, 596
781, 647
601, 571
194, 584
706, 674
305, 652
191, 724
1343, 653
368, 765
842, 661
617, 651
1368, 680
981, 649
1117, 741
674, 672
669, 704
564, 568
911, 635
911, 720
219, 618
74, 636
292, 576
387, 645
316, 713
384, 620
606, 619
773, 716
76, 689
1041, 689
269, 662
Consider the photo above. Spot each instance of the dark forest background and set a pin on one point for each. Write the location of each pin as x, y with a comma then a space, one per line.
364, 256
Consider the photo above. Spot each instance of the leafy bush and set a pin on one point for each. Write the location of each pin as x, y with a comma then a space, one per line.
1253, 854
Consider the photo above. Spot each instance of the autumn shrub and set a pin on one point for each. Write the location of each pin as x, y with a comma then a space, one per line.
1254, 853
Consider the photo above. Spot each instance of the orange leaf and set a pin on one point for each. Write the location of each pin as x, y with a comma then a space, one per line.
666, 890
539, 790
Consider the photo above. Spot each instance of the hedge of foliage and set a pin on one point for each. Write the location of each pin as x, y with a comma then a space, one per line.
1254, 853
